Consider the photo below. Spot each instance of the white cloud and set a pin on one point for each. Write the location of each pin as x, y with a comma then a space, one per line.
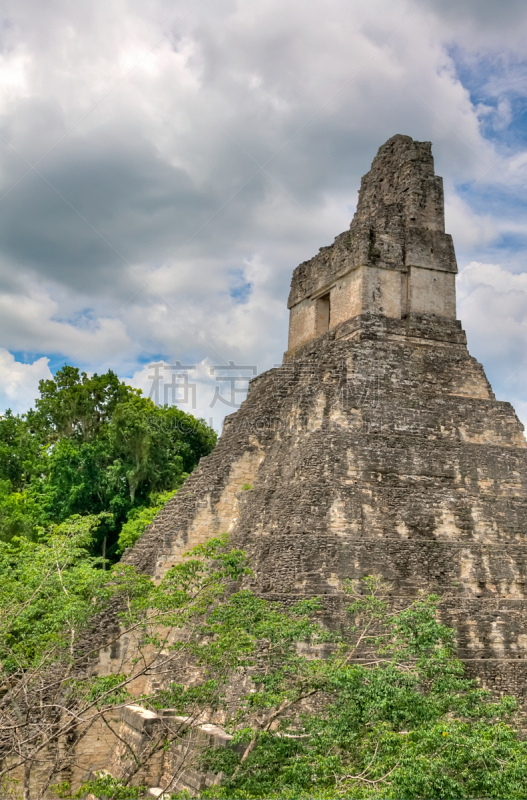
19, 381
493, 307
31, 322
468, 229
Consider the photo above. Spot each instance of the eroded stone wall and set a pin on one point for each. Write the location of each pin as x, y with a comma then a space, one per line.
379, 449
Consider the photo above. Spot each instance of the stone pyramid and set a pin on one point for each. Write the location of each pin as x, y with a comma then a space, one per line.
378, 446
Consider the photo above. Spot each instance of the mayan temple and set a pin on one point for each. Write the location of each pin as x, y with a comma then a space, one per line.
378, 446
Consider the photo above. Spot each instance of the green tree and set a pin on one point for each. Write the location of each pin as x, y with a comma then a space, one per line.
382, 709
19, 513
74, 406
92, 445
46, 589
156, 448
51, 593
395, 717
19, 451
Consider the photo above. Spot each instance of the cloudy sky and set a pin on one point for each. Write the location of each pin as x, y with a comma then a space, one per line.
165, 165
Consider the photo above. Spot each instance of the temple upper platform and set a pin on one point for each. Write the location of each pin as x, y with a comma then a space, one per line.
396, 258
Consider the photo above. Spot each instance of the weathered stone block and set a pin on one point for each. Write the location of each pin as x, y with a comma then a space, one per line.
396, 259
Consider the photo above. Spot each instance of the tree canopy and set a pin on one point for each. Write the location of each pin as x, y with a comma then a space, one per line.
381, 709
92, 446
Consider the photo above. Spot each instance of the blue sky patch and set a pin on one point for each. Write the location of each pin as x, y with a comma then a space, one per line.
240, 288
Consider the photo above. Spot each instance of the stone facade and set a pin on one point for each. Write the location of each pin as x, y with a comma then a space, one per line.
396, 258
378, 446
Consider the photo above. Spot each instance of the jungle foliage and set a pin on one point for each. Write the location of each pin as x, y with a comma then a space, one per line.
380, 709
93, 446
387, 713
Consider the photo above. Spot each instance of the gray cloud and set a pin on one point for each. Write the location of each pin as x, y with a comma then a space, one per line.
215, 158
484, 27
485, 16
99, 206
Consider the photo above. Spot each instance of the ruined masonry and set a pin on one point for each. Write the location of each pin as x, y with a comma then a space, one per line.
378, 446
